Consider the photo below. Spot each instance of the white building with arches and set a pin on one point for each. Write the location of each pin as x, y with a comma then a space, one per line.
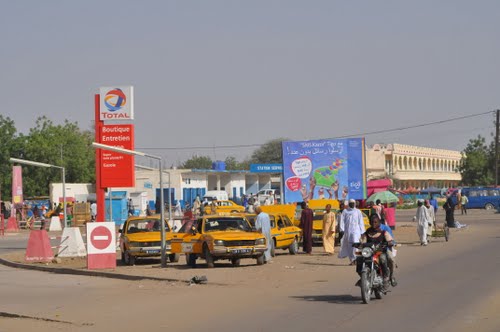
414, 166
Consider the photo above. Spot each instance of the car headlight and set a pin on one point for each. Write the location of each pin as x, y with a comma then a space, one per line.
168, 245
367, 252
218, 243
260, 241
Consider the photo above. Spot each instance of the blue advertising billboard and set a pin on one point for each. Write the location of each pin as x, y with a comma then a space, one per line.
329, 168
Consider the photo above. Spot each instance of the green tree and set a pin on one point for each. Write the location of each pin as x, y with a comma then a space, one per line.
9, 142
62, 145
476, 163
269, 153
198, 162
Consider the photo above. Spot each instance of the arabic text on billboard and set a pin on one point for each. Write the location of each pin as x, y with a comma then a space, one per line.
331, 169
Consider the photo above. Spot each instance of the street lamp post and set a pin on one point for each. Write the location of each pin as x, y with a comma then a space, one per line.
35, 163
162, 200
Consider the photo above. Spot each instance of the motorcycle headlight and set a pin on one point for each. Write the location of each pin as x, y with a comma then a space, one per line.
260, 241
218, 243
366, 252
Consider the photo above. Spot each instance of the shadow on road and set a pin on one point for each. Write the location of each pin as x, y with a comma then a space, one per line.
324, 264
337, 299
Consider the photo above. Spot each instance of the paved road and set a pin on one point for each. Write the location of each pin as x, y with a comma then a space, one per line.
443, 287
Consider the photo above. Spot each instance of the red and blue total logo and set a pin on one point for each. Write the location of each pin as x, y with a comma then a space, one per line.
115, 100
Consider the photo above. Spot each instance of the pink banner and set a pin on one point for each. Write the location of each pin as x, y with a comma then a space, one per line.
17, 184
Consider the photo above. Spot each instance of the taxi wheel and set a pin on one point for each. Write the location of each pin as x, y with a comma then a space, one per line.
173, 258
209, 258
128, 259
236, 261
273, 247
294, 247
260, 260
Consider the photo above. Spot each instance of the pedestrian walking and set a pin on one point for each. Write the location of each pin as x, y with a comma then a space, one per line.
306, 223
352, 226
329, 224
263, 225
449, 207
464, 201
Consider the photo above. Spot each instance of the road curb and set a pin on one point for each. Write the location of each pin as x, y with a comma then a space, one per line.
88, 273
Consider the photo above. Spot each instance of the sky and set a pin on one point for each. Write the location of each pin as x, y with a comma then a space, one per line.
213, 74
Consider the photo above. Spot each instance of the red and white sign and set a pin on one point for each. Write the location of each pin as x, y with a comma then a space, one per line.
117, 169
101, 245
117, 103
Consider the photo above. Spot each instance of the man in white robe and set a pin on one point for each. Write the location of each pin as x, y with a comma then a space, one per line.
352, 226
423, 219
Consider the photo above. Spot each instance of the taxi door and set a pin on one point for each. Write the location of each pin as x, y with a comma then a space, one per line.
282, 239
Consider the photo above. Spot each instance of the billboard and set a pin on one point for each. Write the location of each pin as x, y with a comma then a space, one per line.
116, 103
329, 168
117, 169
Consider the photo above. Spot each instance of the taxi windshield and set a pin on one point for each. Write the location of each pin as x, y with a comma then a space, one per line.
227, 224
145, 225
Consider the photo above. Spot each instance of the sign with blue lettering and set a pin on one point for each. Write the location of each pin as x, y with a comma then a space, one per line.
266, 168
333, 169
148, 185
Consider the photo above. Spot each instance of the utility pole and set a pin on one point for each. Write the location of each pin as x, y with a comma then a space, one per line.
497, 125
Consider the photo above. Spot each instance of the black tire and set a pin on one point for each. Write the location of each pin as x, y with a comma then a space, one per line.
273, 247
209, 258
173, 258
261, 260
236, 262
191, 260
294, 247
489, 206
128, 259
366, 287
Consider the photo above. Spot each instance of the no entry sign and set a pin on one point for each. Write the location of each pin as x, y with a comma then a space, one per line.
101, 245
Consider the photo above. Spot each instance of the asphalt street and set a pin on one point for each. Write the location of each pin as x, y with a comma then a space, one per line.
446, 286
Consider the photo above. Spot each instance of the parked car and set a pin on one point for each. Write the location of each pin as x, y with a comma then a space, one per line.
140, 237
285, 235
224, 206
219, 237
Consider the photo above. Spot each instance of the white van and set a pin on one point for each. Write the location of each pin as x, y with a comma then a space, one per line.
219, 195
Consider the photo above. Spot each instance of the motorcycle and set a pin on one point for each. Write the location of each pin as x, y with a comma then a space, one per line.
370, 269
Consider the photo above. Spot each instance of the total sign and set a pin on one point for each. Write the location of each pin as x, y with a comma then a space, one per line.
117, 103
101, 245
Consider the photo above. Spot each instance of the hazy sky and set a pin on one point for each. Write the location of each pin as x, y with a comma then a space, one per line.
218, 73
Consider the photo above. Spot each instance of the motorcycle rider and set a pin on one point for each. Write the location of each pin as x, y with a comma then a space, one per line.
375, 234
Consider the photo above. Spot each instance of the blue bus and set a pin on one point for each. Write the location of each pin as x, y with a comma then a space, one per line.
482, 197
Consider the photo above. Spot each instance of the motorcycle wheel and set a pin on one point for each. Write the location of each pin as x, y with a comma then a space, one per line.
366, 287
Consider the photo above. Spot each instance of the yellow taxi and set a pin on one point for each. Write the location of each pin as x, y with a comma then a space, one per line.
140, 237
224, 206
219, 237
284, 234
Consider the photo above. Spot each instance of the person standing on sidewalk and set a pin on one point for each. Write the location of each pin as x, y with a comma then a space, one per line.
329, 224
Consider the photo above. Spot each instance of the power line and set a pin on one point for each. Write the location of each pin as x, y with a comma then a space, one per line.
239, 146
